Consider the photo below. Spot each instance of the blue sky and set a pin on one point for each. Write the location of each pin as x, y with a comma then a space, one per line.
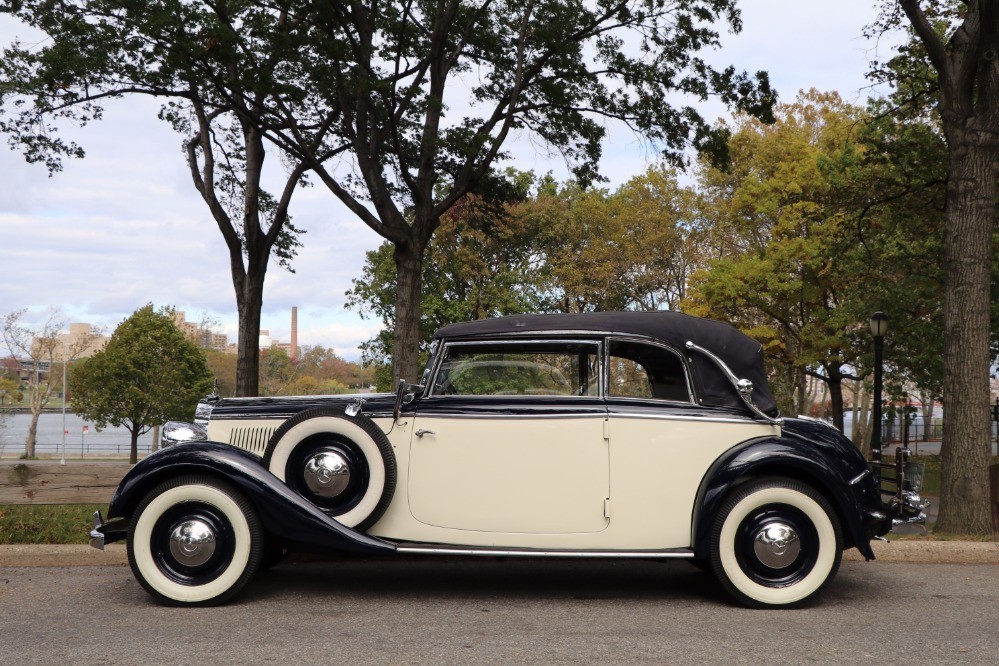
124, 226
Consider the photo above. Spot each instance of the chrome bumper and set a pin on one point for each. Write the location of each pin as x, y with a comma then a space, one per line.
105, 532
96, 536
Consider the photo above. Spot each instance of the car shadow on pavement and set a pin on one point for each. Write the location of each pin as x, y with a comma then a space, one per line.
493, 578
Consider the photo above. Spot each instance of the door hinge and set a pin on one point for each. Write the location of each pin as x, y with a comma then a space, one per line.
607, 508
607, 429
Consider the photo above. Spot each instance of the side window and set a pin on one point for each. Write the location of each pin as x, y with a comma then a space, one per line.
638, 370
564, 369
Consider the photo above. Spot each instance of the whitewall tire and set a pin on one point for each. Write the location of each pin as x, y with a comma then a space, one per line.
343, 464
775, 543
195, 540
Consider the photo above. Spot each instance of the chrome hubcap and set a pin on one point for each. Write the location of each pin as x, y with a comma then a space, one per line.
776, 545
327, 473
192, 542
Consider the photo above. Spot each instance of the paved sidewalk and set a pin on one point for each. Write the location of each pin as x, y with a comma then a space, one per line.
910, 551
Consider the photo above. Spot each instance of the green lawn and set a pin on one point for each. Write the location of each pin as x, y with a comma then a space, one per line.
44, 524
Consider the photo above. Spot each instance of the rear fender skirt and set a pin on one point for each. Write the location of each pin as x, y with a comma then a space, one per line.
754, 458
284, 513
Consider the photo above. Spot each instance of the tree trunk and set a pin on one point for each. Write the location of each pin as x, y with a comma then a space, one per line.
249, 302
133, 452
29, 441
928, 405
835, 384
408, 295
799, 379
971, 192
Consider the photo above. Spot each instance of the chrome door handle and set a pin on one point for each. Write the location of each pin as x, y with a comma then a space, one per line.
421, 432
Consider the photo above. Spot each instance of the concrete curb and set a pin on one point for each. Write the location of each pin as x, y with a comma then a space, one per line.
911, 551
932, 552
62, 555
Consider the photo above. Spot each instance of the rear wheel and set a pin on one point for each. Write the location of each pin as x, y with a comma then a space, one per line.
194, 540
775, 542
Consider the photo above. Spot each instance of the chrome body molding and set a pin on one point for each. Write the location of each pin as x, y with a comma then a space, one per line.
672, 553
677, 417
860, 477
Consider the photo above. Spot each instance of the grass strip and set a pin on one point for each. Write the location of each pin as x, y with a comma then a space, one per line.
47, 524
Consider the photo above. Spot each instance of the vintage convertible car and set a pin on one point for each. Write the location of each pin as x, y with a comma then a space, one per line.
618, 435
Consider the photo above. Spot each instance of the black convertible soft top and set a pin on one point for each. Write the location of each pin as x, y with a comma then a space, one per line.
740, 352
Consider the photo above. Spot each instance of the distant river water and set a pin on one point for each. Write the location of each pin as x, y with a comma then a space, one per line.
111, 441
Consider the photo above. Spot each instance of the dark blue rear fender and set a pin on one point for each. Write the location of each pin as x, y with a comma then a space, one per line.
284, 513
777, 457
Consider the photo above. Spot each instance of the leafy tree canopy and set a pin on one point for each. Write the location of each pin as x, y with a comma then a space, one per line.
148, 373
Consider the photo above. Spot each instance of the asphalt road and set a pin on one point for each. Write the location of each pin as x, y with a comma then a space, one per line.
461, 611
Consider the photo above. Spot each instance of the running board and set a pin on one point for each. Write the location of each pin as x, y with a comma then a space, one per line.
672, 553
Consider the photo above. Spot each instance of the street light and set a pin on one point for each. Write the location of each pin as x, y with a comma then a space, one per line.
879, 326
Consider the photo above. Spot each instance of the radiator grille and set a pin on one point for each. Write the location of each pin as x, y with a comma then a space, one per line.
251, 438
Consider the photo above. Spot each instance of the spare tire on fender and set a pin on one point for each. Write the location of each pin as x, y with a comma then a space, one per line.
343, 464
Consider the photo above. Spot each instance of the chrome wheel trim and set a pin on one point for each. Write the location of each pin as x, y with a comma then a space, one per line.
192, 542
777, 545
327, 473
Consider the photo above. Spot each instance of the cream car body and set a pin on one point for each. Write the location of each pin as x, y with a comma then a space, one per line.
649, 435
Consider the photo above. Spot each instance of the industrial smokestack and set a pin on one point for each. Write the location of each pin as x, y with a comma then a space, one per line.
294, 333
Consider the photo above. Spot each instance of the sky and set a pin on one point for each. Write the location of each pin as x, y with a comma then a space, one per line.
124, 226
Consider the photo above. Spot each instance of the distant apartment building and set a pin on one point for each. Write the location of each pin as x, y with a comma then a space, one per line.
82, 341
200, 335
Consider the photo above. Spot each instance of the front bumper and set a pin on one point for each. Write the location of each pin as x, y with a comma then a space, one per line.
103, 533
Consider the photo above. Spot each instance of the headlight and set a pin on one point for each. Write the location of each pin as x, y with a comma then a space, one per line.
176, 432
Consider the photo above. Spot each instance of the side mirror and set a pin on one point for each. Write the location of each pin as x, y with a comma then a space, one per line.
400, 391
404, 395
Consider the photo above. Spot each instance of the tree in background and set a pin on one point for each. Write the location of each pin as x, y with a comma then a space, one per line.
216, 68
10, 394
631, 249
147, 373
486, 261
10, 390
43, 351
427, 95
831, 214
506, 250
950, 67
387, 91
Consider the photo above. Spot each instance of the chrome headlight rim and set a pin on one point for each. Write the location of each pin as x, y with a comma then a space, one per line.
178, 432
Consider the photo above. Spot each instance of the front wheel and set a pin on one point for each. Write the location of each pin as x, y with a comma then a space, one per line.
195, 541
775, 543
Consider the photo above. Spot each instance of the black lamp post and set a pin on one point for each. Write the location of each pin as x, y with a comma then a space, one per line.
879, 326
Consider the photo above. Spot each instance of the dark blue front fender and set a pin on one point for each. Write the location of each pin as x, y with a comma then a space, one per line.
284, 513
779, 456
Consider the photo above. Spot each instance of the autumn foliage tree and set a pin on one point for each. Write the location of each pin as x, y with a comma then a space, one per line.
950, 66
824, 217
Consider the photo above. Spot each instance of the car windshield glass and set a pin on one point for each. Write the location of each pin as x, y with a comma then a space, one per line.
549, 369
637, 370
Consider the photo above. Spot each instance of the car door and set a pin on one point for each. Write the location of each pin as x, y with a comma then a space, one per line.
510, 438
661, 443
